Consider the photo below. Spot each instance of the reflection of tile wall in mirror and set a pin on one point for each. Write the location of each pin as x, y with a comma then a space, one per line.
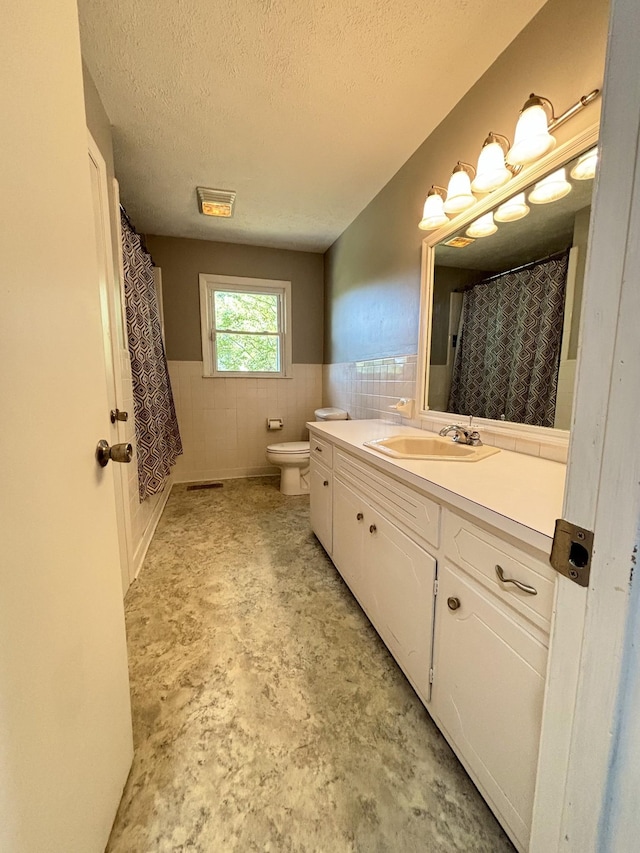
543, 230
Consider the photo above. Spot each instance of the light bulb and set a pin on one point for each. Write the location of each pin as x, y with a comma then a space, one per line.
532, 138
492, 171
585, 168
433, 215
459, 196
512, 209
551, 188
484, 226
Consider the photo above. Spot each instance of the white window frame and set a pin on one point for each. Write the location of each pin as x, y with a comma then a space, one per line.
209, 284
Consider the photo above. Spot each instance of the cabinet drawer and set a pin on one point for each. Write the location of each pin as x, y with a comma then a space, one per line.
479, 553
321, 450
411, 509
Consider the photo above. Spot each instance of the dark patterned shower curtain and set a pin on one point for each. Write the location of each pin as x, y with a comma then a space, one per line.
158, 441
508, 353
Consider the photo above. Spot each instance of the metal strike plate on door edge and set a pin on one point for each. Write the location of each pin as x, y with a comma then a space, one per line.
571, 551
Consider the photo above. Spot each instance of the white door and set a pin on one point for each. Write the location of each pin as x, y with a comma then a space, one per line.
113, 341
65, 724
587, 790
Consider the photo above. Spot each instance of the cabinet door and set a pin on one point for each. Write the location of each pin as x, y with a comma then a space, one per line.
351, 517
321, 485
402, 578
487, 696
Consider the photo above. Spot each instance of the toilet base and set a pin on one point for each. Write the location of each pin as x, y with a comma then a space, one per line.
294, 480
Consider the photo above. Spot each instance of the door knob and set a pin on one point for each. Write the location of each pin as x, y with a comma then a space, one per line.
372, 528
359, 516
453, 603
325, 483
117, 415
119, 453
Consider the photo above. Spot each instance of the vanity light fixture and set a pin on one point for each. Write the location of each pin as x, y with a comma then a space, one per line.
459, 195
551, 188
533, 131
433, 215
585, 168
484, 226
513, 209
492, 171
532, 138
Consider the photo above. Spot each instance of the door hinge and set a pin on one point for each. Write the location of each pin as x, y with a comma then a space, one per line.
571, 551
431, 676
435, 586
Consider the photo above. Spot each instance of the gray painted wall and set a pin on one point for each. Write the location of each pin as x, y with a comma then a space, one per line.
372, 272
97, 119
181, 261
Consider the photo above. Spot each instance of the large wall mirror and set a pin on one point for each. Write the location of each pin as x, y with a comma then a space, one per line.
502, 295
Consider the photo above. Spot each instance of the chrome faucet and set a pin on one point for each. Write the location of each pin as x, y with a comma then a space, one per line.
462, 435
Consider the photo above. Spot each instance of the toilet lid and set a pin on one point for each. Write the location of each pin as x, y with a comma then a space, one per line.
331, 414
290, 447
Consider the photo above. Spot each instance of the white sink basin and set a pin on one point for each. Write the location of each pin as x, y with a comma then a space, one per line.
429, 447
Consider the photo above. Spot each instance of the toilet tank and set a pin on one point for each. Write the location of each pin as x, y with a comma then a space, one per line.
331, 414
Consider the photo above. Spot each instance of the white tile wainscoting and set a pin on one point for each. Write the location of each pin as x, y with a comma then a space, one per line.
366, 389
223, 421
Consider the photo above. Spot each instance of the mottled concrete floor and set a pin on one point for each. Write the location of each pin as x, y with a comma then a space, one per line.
268, 716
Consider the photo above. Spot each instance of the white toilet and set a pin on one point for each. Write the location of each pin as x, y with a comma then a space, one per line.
292, 457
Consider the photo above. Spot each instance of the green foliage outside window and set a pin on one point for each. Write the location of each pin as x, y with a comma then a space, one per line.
246, 332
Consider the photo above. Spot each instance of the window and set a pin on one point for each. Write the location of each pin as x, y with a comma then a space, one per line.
245, 326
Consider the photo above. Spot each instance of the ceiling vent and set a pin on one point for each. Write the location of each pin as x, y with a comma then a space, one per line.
216, 202
460, 242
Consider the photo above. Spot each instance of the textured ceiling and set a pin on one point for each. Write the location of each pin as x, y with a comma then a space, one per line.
305, 107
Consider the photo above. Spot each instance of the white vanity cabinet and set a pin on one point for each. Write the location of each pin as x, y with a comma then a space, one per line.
350, 535
473, 644
391, 576
488, 687
490, 659
321, 499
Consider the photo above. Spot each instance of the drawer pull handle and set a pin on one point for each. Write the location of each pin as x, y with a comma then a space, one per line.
453, 603
372, 528
325, 483
523, 586
359, 516
319, 449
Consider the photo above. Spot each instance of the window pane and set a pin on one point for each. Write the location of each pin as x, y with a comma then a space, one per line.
246, 312
247, 353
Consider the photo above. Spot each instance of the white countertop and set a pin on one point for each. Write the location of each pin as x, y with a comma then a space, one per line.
522, 495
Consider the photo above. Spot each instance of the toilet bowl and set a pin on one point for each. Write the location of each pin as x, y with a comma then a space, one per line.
292, 457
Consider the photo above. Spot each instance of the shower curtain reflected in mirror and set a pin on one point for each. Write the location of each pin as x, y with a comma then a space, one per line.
508, 351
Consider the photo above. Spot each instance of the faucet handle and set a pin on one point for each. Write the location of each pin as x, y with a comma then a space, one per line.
474, 438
